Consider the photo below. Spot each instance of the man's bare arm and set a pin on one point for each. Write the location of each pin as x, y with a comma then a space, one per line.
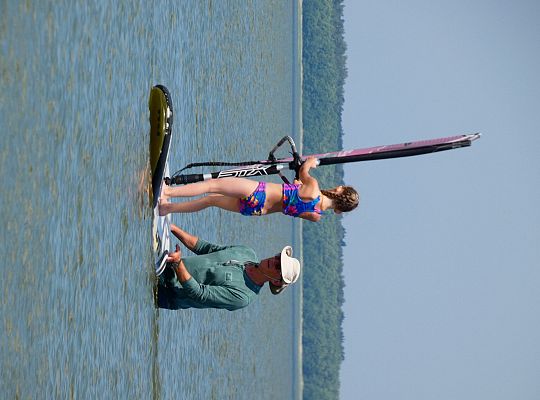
187, 239
182, 273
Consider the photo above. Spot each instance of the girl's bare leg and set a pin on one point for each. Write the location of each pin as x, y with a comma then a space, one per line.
213, 200
232, 187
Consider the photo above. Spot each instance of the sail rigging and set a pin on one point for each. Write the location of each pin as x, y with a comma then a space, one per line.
273, 165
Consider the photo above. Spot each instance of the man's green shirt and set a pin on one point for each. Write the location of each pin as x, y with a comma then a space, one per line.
218, 279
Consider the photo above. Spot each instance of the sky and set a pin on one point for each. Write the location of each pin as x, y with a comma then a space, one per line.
442, 262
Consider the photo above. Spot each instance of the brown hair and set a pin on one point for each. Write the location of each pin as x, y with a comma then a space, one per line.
345, 201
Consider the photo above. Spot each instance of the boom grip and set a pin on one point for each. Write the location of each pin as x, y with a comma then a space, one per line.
185, 179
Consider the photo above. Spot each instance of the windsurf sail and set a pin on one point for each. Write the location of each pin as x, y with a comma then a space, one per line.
272, 165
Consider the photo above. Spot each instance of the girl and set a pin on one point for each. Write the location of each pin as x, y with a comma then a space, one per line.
302, 199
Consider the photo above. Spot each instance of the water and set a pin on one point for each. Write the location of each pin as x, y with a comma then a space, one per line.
77, 310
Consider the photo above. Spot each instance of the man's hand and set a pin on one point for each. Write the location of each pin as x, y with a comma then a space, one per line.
179, 268
176, 256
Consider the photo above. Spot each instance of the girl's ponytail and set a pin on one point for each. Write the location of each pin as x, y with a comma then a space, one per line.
345, 201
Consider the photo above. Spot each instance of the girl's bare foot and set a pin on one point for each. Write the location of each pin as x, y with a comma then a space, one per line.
165, 192
164, 205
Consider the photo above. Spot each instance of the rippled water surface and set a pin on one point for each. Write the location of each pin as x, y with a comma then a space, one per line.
77, 310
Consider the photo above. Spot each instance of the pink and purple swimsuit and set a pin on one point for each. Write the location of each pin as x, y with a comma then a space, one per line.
254, 203
293, 205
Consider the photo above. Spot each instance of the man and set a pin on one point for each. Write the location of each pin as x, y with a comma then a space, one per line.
228, 277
